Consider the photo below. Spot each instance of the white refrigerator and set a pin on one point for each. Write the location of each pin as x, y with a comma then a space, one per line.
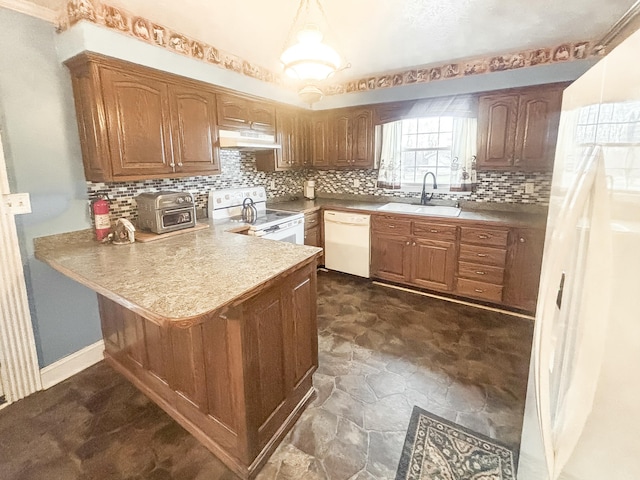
582, 414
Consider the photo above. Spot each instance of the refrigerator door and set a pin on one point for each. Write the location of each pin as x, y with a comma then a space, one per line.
581, 417
571, 321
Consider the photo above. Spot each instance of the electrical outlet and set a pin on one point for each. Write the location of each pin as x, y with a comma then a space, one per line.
529, 187
356, 183
273, 185
17, 203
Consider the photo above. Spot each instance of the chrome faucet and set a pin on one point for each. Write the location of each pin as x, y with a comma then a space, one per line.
424, 198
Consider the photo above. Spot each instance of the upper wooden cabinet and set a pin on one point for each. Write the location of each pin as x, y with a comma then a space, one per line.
195, 136
137, 123
517, 130
292, 130
343, 138
319, 139
239, 112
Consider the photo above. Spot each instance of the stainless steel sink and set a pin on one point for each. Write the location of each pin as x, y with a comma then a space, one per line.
433, 210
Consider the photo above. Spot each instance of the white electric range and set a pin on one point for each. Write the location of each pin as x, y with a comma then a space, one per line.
268, 223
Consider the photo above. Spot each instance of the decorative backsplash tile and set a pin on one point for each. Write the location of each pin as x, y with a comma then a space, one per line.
239, 170
146, 30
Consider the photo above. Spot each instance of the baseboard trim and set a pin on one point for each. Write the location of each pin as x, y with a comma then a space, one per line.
454, 300
71, 364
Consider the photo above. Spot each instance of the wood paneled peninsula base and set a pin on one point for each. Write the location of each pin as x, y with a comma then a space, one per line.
236, 377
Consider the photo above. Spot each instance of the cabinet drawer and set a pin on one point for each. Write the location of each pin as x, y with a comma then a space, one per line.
482, 255
435, 231
311, 220
481, 273
484, 236
481, 290
391, 225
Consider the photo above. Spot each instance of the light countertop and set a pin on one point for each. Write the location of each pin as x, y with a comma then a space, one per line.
175, 278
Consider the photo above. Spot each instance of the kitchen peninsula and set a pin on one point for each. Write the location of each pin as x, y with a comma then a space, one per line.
216, 328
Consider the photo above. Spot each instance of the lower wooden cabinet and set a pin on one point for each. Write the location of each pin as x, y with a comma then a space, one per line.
426, 258
313, 234
500, 265
237, 379
523, 265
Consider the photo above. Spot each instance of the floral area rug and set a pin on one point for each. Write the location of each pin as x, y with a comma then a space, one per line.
436, 449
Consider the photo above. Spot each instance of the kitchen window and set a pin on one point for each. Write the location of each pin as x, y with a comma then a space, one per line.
441, 139
616, 128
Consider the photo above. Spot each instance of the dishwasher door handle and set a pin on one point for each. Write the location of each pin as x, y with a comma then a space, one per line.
347, 223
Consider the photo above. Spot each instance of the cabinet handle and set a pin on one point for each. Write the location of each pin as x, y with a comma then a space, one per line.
482, 255
408, 243
414, 244
172, 165
481, 273
479, 290
483, 236
391, 226
433, 231
516, 161
179, 164
522, 240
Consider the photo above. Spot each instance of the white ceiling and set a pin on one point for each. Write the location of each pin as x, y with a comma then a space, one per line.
383, 35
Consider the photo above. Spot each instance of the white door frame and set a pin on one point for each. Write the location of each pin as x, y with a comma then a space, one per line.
19, 371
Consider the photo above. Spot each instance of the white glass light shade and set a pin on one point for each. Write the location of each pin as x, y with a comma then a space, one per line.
310, 59
310, 94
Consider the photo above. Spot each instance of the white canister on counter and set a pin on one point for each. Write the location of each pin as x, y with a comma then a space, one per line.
309, 189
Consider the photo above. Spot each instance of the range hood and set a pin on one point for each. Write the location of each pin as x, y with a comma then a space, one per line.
247, 140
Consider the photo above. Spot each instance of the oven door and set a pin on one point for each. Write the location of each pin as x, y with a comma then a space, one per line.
294, 234
176, 219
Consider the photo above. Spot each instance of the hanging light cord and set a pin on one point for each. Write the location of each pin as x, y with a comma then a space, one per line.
287, 39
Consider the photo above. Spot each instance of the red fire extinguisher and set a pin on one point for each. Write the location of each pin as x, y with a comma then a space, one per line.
100, 208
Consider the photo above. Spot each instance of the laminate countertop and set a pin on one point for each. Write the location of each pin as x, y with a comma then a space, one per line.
535, 218
174, 278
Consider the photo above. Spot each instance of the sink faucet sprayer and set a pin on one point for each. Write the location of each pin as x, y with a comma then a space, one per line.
423, 198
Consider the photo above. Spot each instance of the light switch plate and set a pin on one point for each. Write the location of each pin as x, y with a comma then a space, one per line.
17, 203
529, 187
356, 183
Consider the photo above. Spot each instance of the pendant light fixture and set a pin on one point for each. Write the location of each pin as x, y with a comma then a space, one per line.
309, 59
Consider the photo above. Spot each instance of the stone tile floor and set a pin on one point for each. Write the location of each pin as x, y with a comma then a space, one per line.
381, 352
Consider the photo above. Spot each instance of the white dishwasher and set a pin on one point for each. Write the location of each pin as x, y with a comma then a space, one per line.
346, 242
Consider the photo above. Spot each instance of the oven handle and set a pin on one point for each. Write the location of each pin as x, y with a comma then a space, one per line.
272, 229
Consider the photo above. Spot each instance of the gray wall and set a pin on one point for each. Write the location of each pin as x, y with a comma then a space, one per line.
43, 156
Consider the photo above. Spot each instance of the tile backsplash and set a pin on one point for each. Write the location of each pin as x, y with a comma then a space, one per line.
239, 170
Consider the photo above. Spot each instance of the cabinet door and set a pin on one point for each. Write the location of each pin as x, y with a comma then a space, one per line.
138, 122
433, 264
537, 133
285, 133
303, 140
193, 119
522, 273
390, 257
301, 331
340, 140
312, 236
497, 119
362, 138
232, 111
320, 140
262, 116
